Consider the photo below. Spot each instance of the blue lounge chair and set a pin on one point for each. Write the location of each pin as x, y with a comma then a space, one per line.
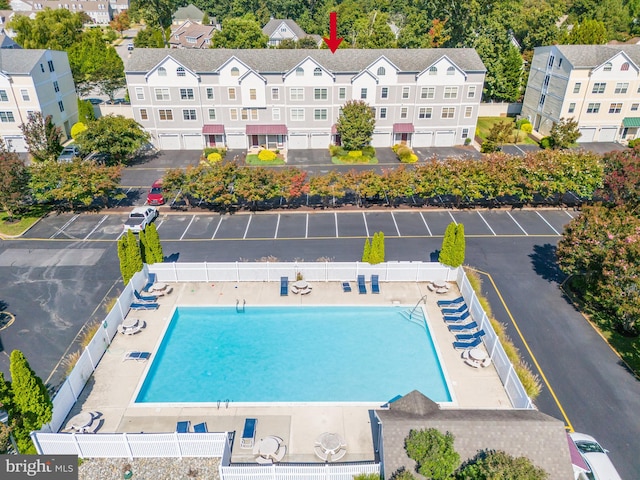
375, 286
183, 427
450, 303
152, 280
248, 433
454, 311
362, 288
145, 298
200, 428
467, 345
461, 328
136, 356
346, 287
469, 336
144, 306
456, 318
284, 286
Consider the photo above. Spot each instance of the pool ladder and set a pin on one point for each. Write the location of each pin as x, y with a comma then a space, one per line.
240, 308
226, 403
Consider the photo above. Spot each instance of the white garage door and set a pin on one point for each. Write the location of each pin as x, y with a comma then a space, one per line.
298, 141
169, 142
320, 140
381, 140
16, 143
588, 134
445, 139
422, 139
607, 134
192, 141
236, 141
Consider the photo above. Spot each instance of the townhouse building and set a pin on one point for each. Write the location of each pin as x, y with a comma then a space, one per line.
30, 81
596, 85
285, 29
100, 11
188, 99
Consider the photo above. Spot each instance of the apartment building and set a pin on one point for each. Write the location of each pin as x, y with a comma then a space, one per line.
596, 85
188, 99
100, 11
30, 81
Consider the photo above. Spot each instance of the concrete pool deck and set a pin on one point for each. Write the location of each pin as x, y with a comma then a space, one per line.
112, 386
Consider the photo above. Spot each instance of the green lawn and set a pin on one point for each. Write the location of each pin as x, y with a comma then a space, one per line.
254, 160
16, 227
485, 124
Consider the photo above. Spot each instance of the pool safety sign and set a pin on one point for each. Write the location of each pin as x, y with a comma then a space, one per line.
39, 467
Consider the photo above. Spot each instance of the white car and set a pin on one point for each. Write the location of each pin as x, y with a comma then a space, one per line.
139, 218
596, 457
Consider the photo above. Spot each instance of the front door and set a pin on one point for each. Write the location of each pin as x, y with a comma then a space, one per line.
404, 137
255, 142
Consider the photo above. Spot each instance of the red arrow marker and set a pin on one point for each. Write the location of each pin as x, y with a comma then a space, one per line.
333, 42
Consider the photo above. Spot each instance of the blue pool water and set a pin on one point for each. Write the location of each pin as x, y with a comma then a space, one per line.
292, 354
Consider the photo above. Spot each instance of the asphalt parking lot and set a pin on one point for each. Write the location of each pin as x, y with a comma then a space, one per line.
311, 225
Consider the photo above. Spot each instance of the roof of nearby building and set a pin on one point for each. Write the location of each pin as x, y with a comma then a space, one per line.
273, 24
630, 41
283, 60
589, 56
526, 433
83, 5
19, 61
190, 11
191, 29
7, 42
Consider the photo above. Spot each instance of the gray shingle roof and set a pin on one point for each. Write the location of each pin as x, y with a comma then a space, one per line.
190, 11
526, 433
274, 23
283, 60
589, 56
19, 61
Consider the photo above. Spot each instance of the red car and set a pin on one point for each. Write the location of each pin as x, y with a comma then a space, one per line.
155, 197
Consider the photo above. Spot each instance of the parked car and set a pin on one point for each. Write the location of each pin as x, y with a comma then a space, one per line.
139, 218
130, 47
596, 457
69, 153
95, 101
155, 196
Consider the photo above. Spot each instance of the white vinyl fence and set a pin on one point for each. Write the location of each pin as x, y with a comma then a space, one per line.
213, 444
296, 472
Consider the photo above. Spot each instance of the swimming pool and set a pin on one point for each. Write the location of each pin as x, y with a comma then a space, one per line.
292, 354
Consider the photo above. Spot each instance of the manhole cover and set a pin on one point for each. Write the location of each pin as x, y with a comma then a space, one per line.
6, 319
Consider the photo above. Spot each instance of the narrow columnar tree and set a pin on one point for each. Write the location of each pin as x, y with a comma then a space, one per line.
446, 256
122, 256
144, 246
366, 253
377, 248
133, 254
154, 253
459, 246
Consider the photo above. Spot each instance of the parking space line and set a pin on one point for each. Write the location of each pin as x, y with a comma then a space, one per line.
185, 230
217, 227
366, 227
275, 235
451, 215
159, 224
516, 222
426, 225
486, 223
396, 224
545, 221
306, 226
96, 227
567, 212
126, 193
60, 230
335, 215
246, 230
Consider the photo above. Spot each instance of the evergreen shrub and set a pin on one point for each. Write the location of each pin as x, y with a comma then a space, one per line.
267, 155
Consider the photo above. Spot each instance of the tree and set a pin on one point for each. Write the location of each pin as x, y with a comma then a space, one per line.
122, 257
459, 246
156, 13
433, 452
86, 113
14, 183
53, 29
154, 253
120, 22
588, 32
622, 177
377, 248
115, 135
244, 32
307, 42
129, 256
355, 125
366, 254
42, 137
499, 134
373, 31
205, 19
144, 247
564, 133
149, 37
30, 400
494, 464
446, 256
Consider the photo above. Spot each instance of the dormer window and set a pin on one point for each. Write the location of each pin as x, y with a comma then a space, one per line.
607, 67
299, 72
235, 72
451, 71
317, 72
381, 71
433, 70
191, 40
180, 71
162, 72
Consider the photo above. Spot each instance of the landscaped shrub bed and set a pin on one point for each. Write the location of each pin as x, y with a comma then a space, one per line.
404, 153
341, 156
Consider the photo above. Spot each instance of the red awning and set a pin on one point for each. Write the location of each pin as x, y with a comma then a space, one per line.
403, 128
334, 129
266, 129
213, 129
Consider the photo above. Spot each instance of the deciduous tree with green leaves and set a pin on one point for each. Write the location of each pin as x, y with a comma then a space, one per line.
355, 125
116, 135
121, 22
53, 29
14, 182
43, 138
564, 133
433, 452
243, 32
156, 13
494, 464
